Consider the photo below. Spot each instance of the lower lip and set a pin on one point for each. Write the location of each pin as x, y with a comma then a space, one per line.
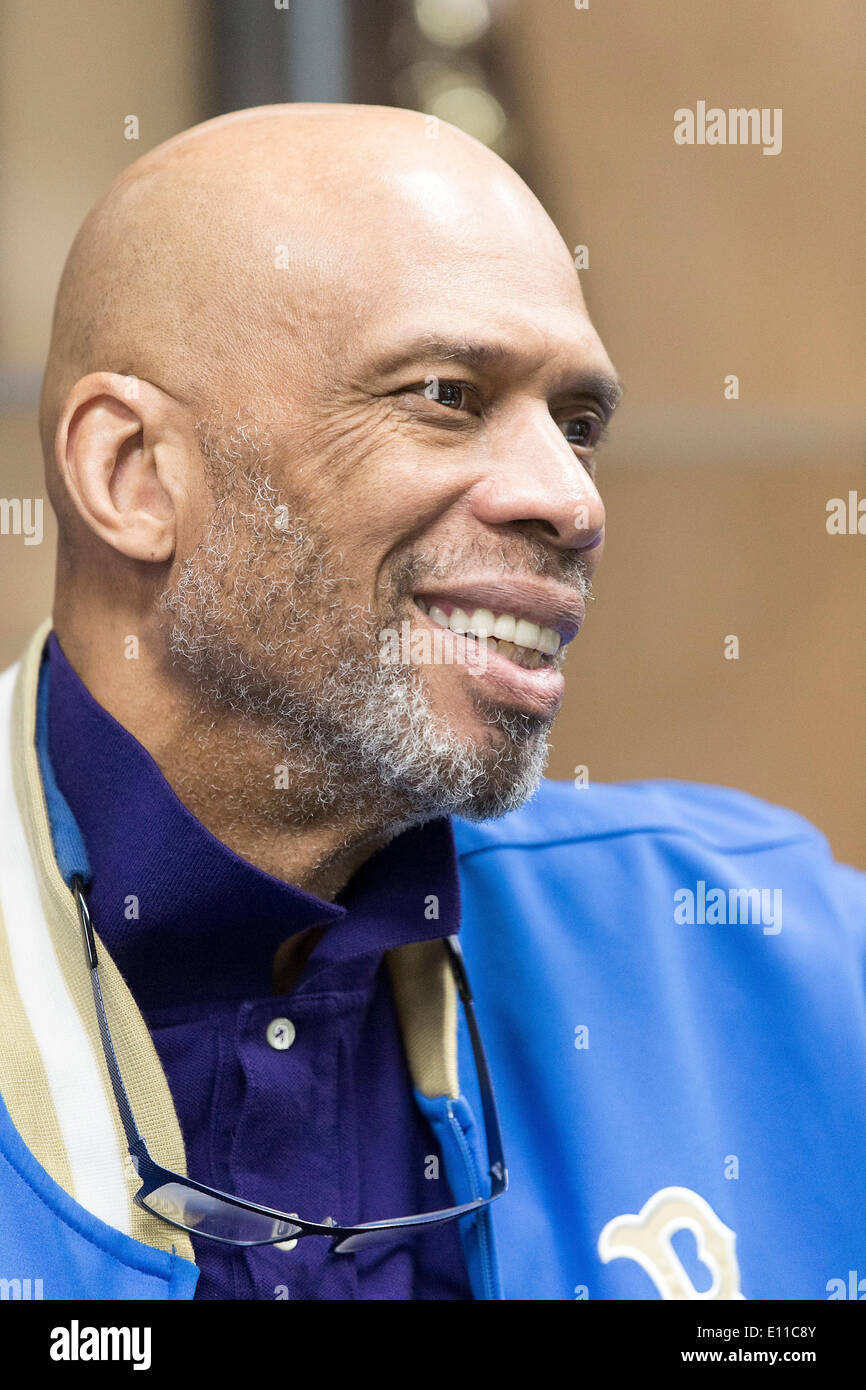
537, 692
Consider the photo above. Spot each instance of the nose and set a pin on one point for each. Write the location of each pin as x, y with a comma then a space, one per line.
537, 483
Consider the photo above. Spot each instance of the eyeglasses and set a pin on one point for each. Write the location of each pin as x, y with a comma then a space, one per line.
204, 1211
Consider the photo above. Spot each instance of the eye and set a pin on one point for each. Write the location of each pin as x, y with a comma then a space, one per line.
452, 394
582, 431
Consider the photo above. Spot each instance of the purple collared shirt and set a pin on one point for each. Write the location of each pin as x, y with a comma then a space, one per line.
324, 1127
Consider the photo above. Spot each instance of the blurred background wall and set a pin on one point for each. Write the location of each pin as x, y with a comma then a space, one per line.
703, 262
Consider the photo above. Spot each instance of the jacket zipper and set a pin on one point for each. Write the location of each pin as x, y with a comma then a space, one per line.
475, 1181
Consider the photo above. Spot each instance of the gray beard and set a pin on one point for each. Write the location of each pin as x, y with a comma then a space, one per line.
256, 623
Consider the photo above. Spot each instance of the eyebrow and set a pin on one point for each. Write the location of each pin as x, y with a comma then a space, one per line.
479, 353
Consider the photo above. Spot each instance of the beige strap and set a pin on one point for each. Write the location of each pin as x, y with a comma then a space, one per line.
426, 998
140, 1066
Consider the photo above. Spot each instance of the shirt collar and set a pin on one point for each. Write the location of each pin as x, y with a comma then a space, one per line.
182, 915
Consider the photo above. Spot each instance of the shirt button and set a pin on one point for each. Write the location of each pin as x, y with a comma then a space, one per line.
280, 1033
287, 1244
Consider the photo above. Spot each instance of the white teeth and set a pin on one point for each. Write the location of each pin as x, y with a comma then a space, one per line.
482, 622
504, 629
526, 634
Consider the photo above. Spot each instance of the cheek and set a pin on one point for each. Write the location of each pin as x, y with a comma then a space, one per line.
336, 462
375, 494
372, 485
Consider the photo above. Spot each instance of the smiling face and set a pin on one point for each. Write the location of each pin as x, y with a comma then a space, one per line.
480, 456
358, 475
430, 469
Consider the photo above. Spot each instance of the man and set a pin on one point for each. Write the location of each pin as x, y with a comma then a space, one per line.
320, 419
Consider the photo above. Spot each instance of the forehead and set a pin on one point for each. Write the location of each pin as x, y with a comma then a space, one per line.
420, 259
437, 242
496, 308
494, 326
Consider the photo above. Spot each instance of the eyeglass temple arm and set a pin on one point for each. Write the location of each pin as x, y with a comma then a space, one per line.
134, 1139
495, 1155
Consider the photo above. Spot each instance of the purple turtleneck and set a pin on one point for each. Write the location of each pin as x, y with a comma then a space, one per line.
324, 1127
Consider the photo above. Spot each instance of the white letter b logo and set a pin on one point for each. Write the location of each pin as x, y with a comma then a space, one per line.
646, 1238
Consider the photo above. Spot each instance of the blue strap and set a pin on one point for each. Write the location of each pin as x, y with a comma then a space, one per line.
66, 838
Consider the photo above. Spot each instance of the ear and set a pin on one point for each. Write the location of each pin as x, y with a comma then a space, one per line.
120, 450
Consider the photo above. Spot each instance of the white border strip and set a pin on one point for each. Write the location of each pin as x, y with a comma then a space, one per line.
84, 1115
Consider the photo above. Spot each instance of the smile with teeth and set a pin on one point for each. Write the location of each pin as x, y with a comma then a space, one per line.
518, 639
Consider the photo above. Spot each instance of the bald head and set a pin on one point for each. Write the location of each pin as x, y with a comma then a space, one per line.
312, 367
213, 263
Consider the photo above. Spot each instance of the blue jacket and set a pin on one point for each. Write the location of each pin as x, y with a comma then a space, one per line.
670, 986
636, 1052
